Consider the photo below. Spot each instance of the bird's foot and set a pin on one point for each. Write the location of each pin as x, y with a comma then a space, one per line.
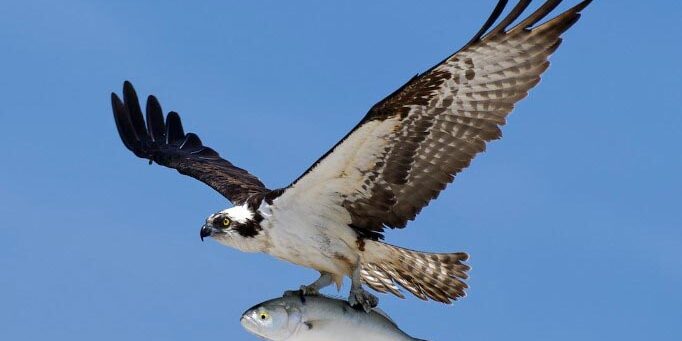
360, 298
305, 290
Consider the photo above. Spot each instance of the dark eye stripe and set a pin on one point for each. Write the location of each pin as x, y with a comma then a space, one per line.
221, 221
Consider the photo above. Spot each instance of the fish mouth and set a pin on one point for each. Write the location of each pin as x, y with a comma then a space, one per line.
249, 324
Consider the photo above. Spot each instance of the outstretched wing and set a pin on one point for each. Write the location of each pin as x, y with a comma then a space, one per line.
410, 145
167, 144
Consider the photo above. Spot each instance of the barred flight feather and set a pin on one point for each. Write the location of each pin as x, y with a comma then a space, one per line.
442, 119
436, 276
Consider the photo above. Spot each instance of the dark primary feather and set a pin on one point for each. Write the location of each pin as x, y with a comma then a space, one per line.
448, 114
501, 4
167, 144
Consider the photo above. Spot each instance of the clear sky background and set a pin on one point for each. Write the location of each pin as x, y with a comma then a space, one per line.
573, 220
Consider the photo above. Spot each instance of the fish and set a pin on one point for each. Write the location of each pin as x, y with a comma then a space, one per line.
319, 318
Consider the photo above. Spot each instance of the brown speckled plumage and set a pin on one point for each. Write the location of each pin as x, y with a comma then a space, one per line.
449, 113
401, 155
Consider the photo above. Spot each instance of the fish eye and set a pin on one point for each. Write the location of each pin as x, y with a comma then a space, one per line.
264, 315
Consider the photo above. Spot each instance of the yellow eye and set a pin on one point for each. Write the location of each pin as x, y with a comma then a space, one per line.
226, 222
264, 315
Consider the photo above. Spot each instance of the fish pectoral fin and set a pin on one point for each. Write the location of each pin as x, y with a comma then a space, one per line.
310, 324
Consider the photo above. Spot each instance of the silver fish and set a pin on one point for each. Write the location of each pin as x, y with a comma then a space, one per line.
319, 318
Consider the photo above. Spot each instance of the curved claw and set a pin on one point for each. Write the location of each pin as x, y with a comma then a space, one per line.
361, 299
300, 293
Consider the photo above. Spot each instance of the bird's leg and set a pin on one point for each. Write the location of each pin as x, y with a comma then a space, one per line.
312, 289
359, 297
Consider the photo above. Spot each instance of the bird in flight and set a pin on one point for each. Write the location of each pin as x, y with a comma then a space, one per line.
397, 159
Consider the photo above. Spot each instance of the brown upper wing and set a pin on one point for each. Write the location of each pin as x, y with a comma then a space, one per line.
166, 143
411, 144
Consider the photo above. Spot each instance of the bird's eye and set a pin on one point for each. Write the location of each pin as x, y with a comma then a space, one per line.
264, 315
226, 222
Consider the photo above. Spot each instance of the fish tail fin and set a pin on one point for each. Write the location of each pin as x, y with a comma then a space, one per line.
436, 276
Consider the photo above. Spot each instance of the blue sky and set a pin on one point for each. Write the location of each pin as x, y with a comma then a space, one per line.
573, 220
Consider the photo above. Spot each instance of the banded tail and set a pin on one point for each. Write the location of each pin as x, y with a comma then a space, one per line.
438, 276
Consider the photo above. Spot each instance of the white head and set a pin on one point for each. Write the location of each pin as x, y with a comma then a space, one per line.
238, 227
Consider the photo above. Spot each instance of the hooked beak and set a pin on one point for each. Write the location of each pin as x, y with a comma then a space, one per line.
205, 232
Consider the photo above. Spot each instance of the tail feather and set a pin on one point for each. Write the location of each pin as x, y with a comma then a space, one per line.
436, 276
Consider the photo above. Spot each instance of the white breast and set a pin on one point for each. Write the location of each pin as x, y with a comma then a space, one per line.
311, 235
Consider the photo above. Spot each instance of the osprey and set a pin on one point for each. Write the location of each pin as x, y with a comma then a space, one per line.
405, 150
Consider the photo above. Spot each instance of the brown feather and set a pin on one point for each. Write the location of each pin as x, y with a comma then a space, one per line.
436, 276
447, 115
167, 144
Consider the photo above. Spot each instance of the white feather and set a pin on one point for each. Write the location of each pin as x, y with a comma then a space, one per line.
240, 214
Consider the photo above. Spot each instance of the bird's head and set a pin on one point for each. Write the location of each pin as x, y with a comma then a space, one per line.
238, 227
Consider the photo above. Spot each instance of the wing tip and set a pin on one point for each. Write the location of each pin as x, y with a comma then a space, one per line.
494, 15
581, 6
174, 115
123, 124
565, 19
511, 16
540, 13
115, 100
174, 130
128, 90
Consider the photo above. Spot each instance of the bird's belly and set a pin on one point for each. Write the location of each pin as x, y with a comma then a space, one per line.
314, 245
